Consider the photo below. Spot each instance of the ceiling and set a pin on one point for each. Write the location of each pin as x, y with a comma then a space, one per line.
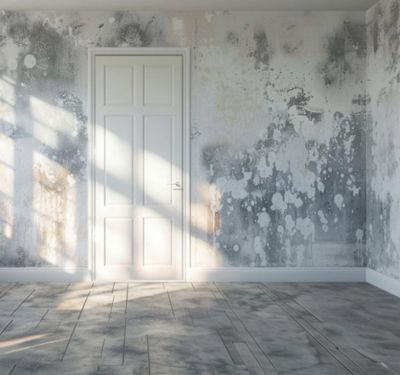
188, 5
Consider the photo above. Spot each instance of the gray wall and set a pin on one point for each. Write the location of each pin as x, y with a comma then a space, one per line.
383, 151
278, 134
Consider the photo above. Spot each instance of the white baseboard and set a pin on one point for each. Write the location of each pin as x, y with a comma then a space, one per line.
43, 274
278, 274
383, 282
239, 274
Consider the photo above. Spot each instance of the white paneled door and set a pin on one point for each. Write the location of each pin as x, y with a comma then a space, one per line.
138, 167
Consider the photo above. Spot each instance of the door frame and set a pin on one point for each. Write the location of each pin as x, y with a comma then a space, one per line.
186, 218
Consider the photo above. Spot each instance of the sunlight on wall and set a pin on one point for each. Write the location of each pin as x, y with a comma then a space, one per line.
207, 221
49, 122
54, 211
7, 102
6, 185
7, 154
6, 165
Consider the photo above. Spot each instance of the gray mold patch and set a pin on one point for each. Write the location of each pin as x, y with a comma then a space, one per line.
356, 35
336, 66
392, 34
300, 100
17, 258
17, 27
44, 54
362, 100
350, 38
376, 30
262, 50
262, 218
383, 254
232, 37
132, 33
289, 48
71, 153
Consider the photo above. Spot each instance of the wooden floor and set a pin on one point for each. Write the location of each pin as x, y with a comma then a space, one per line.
120, 328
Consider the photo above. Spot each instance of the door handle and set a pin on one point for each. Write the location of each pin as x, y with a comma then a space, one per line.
176, 186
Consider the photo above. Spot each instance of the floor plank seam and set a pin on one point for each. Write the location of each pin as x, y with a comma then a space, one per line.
74, 328
292, 315
5, 292
6, 326
12, 370
172, 307
22, 302
148, 354
246, 329
124, 343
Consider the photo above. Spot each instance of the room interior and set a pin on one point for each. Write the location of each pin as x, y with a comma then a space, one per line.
199, 187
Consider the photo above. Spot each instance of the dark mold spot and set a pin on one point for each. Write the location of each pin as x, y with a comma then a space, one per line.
361, 100
356, 35
133, 34
336, 65
52, 53
18, 258
44, 54
300, 100
232, 37
20, 34
375, 29
289, 48
119, 16
392, 34
383, 252
351, 38
262, 50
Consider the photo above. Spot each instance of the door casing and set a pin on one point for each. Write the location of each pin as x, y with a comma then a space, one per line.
115, 51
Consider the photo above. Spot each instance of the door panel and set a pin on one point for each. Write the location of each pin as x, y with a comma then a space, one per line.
119, 85
157, 235
118, 160
158, 85
118, 242
157, 160
138, 190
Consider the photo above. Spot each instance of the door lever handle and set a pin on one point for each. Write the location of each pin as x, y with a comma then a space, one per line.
176, 186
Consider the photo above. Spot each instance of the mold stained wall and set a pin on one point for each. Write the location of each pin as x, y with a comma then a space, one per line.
278, 133
383, 151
